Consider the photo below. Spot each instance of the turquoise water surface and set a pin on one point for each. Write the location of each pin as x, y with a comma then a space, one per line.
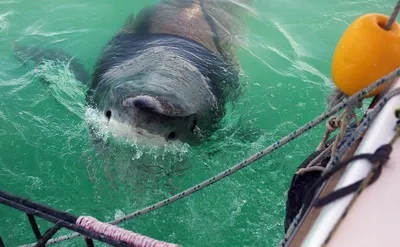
46, 149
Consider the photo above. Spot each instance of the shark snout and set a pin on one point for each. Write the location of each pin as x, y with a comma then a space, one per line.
144, 103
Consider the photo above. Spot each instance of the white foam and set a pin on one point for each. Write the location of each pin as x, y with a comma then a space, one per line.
105, 129
4, 21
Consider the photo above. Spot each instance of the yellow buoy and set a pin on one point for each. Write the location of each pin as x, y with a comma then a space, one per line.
365, 53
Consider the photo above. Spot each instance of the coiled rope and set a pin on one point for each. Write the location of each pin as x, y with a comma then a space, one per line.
356, 97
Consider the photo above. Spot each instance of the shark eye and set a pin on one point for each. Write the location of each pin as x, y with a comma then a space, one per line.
108, 114
172, 136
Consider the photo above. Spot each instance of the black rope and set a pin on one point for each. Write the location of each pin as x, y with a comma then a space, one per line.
342, 192
381, 155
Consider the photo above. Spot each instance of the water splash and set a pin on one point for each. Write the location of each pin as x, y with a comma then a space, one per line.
4, 22
63, 85
129, 163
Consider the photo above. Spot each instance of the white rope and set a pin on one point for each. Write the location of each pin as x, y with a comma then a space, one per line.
356, 97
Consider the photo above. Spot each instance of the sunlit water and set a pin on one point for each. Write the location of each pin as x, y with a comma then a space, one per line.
47, 152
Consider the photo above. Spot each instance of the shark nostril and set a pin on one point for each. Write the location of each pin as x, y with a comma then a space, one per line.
146, 103
172, 136
108, 114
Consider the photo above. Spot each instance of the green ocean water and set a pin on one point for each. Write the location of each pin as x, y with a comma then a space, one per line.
46, 153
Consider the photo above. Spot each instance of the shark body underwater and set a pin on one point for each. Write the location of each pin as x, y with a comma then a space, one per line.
168, 74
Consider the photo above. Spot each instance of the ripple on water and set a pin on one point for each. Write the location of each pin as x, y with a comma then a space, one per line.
4, 22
